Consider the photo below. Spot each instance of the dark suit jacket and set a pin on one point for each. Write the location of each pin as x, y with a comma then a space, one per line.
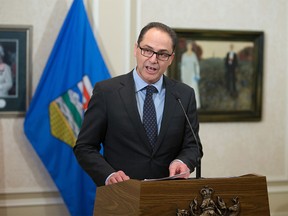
234, 60
113, 119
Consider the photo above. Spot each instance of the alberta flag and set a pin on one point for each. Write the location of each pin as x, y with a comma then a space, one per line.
56, 111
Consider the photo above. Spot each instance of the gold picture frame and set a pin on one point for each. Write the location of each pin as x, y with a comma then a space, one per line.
223, 93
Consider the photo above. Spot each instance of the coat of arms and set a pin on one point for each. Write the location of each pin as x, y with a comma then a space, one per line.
210, 207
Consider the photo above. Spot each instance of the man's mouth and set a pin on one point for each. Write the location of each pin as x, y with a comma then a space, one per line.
151, 69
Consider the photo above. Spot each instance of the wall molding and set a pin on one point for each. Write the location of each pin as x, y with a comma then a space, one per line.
48, 196
28, 190
30, 199
277, 187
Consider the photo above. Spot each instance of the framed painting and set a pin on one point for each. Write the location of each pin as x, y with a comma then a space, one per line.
15, 57
225, 69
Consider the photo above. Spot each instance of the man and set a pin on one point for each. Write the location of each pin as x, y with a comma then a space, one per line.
115, 118
231, 63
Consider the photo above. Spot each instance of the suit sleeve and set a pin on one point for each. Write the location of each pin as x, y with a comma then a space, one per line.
92, 134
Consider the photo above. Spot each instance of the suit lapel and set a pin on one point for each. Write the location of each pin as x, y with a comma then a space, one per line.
127, 94
169, 107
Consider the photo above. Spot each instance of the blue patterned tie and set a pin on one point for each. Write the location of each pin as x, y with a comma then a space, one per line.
149, 115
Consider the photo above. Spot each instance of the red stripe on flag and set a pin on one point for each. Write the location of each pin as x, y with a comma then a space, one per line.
86, 97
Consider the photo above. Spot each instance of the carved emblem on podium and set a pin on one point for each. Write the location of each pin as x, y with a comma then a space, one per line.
210, 207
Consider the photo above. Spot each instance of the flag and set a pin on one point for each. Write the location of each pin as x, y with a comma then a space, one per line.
55, 115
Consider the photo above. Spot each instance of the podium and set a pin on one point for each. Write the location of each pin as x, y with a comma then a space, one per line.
245, 195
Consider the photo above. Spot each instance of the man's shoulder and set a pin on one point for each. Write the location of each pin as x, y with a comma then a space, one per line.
176, 84
114, 80
114, 83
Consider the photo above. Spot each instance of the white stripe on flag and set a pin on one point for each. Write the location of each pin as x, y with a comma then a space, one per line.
88, 84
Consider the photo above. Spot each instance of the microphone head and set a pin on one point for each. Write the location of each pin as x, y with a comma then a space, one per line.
176, 95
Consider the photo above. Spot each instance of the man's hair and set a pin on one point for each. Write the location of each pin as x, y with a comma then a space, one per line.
159, 26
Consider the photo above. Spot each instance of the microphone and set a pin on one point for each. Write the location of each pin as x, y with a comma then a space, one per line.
198, 161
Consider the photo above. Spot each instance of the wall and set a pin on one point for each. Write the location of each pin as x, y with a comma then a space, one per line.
231, 149
25, 186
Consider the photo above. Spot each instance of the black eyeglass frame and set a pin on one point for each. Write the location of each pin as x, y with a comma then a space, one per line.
153, 52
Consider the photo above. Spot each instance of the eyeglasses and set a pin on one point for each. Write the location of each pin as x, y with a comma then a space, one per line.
162, 56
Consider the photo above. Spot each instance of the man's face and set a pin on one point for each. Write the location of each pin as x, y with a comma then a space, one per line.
150, 69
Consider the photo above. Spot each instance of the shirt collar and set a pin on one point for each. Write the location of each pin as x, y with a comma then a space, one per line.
141, 84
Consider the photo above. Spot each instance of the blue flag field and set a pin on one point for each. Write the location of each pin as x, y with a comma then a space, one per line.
56, 111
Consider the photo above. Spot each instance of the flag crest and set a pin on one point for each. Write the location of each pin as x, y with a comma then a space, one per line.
66, 112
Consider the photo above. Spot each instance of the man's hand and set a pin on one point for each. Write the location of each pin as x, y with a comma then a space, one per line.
116, 177
177, 167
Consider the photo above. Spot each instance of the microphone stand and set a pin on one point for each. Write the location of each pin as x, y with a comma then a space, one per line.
198, 168
198, 160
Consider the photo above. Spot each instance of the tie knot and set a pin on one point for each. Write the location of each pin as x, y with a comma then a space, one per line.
150, 89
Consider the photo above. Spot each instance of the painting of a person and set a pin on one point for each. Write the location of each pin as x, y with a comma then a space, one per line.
190, 70
6, 81
231, 62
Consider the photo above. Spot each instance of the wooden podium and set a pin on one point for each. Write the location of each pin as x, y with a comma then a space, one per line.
244, 195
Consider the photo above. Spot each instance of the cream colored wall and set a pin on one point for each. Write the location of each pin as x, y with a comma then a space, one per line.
230, 148
25, 186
